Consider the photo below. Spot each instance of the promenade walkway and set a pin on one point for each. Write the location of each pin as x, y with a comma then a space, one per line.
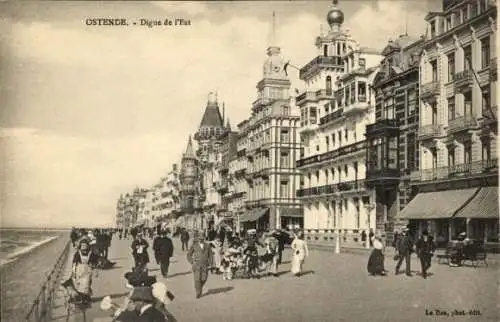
336, 287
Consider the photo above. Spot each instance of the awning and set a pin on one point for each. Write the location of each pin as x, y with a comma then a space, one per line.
291, 212
253, 214
435, 205
483, 205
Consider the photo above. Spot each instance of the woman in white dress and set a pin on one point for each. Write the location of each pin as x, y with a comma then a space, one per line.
299, 253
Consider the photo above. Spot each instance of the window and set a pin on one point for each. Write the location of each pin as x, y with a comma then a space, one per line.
485, 52
433, 29
434, 158
486, 147
339, 135
451, 156
346, 170
328, 85
346, 135
355, 168
361, 92
410, 151
325, 50
286, 110
326, 176
468, 104
284, 160
333, 139
434, 70
473, 9
465, 15
284, 136
356, 205
327, 142
313, 115
284, 189
411, 102
467, 57
327, 108
393, 150
482, 5
468, 152
451, 108
434, 113
451, 66
486, 100
449, 26
389, 108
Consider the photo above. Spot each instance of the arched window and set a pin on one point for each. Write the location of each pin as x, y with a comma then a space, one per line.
325, 50
328, 85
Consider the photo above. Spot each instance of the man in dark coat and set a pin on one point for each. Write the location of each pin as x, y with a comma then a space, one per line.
164, 249
200, 257
425, 248
404, 248
184, 239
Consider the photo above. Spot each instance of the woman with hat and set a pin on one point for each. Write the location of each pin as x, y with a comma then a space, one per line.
140, 251
376, 261
84, 262
142, 305
300, 252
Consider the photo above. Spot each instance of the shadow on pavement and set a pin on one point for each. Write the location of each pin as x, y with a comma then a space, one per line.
307, 273
285, 262
117, 258
179, 274
219, 290
282, 273
154, 270
99, 298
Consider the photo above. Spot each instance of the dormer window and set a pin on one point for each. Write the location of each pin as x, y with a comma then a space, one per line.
433, 29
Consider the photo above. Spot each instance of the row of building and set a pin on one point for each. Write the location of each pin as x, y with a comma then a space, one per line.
375, 140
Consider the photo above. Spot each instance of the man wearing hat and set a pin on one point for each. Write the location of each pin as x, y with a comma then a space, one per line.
404, 248
200, 257
164, 249
142, 300
140, 251
425, 249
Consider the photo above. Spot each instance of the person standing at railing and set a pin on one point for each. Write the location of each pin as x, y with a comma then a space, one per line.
84, 263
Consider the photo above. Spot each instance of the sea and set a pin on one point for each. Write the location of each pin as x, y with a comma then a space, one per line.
16, 242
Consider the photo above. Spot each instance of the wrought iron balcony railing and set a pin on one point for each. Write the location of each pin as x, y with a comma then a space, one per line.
463, 78
330, 155
340, 187
460, 170
429, 89
462, 123
430, 131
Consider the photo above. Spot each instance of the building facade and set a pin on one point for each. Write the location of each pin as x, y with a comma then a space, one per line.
456, 187
392, 147
336, 106
120, 212
210, 138
267, 149
188, 179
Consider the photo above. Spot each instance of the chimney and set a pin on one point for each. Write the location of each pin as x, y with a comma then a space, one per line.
174, 167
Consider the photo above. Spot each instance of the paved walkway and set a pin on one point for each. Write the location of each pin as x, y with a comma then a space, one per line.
335, 287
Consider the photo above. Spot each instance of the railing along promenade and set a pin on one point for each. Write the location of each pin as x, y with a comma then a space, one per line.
41, 308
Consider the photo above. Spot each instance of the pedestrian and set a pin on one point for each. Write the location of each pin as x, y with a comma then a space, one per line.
200, 257
216, 256
404, 250
425, 248
163, 249
280, 236
140, 251
272, 254
84, 263
363, 238
370, 237
376, 261
300, 252
184, 239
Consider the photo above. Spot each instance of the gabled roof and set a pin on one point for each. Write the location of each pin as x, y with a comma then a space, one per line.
212, 116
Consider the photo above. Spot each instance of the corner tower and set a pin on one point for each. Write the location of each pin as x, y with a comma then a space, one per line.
189, 193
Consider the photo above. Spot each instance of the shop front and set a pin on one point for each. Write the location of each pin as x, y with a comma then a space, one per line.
257, 218
291, 218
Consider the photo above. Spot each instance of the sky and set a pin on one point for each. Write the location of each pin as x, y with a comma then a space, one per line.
90, 112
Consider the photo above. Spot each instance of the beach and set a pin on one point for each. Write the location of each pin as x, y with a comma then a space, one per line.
22, 278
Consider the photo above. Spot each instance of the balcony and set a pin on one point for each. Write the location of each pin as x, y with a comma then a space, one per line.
331, 117
463, 80
222, 187
465, 170
356, 106
429, 90
430, 131
332, 155
240, 172
342, 187
311, 96
384, 127
385, 176
318, 63
462, 123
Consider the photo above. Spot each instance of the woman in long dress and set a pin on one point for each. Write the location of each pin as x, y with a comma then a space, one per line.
300, 252
217, 258
84, 262
376, 261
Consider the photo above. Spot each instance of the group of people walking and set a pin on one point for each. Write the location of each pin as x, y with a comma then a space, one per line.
404, 246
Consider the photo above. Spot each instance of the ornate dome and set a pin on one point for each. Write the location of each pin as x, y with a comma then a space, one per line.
335, 16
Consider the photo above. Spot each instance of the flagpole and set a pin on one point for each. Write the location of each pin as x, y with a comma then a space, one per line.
476, 77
